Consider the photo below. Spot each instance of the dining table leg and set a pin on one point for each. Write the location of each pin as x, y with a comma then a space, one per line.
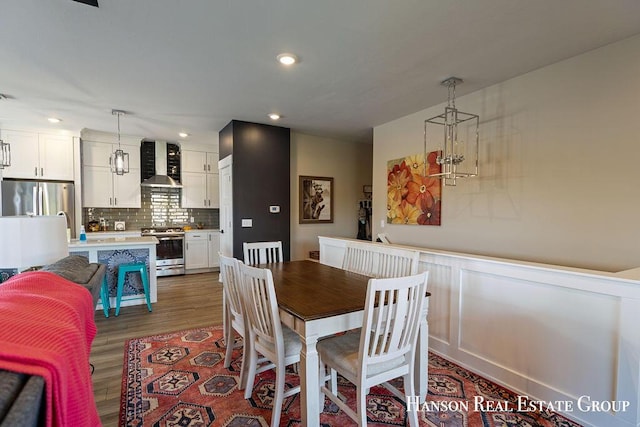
309, 382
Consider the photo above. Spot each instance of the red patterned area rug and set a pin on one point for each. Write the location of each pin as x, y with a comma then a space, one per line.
178, 379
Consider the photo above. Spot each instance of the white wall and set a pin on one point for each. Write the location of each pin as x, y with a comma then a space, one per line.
558, 162
349, 164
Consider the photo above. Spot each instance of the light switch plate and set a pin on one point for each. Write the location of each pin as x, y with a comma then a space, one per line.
247, 222
274, 209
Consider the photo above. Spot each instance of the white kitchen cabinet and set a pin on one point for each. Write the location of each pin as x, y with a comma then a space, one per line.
214, 248
200, 179
201, 250
199, 161
126, 190
39, 156
196, 253
98, 153
194, 190
102, 188
97, 187
193, 161
213, 189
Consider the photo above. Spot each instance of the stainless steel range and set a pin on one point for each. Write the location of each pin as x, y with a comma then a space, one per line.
169, 250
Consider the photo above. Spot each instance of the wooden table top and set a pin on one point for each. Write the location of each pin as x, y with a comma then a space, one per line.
309, 290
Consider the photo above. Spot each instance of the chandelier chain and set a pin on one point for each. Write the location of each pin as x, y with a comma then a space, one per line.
452, 94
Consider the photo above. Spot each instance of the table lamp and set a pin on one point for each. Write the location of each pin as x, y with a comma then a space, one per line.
31, 241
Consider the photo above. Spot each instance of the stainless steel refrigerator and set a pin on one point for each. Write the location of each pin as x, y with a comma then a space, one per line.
39, 198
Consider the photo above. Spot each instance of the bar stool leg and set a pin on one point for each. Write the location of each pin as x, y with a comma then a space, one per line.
121, 274
145, 284
104, 296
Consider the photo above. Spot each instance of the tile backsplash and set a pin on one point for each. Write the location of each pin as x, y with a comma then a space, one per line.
160, 208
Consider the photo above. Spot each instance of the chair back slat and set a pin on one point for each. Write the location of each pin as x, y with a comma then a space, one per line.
379, 261
262, 310
230, 273
262, 252
392, 318
358, 260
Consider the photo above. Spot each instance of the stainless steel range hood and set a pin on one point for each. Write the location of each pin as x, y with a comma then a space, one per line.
161, 179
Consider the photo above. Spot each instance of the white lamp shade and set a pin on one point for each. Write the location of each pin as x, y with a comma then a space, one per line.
30, 241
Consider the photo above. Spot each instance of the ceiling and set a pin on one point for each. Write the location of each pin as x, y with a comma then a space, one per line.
195, 65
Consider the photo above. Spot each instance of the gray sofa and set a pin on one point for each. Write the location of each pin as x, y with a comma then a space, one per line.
79, 270
22, 400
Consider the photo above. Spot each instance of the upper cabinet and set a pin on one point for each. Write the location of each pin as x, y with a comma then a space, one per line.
199, 161
101, 187
39, 156
200, 179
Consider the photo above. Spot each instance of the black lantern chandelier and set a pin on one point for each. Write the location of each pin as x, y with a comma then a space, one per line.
119, 160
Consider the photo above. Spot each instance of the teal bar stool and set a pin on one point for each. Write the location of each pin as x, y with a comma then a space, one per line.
104, 296
133, 267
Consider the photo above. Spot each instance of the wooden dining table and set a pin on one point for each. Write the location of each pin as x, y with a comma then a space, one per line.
316, 300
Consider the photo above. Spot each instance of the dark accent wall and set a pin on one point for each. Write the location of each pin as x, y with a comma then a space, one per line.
261, 178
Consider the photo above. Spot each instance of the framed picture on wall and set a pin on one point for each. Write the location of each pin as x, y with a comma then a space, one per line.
316, 199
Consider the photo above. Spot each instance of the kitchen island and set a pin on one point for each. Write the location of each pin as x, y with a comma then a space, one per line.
114, 251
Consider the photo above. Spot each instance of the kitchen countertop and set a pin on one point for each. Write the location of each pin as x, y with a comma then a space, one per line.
111, 233
199, 230
114, 241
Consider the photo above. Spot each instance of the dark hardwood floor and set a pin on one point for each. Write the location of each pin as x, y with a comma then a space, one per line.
184, 302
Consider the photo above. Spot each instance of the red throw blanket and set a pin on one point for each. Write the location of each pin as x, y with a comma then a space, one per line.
46, 329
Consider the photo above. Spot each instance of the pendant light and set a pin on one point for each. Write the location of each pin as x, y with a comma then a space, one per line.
119, 160
5, 148
5, 154
458, 149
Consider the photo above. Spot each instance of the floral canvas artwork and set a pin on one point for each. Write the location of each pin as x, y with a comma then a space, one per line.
412, 196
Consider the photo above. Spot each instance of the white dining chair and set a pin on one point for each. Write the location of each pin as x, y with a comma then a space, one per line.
233, 312
235, 321
262, 252
384, 349
379, 261
394, 262
358, 259
268, 336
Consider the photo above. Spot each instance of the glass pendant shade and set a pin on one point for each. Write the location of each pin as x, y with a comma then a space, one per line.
120, 162
455, 136
5, 154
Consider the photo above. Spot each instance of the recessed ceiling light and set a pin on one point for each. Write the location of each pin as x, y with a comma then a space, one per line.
54, 120
183, 134
287, 58
274, 116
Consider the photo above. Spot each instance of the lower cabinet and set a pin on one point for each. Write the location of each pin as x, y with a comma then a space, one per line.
214, 249
201, 250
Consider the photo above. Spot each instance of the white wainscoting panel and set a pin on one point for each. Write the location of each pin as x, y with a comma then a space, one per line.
441, 302
545, 334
